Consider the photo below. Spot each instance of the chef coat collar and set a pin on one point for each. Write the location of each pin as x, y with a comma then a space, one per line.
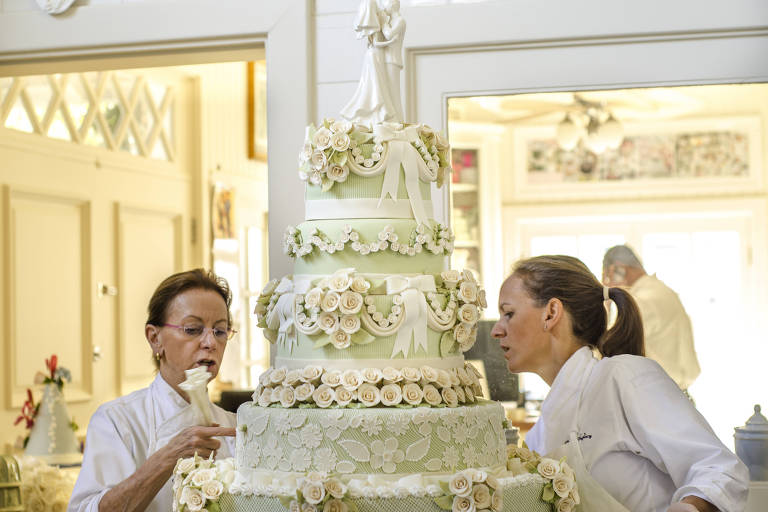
570, 380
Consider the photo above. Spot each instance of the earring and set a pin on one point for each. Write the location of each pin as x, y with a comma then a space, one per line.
545, 326
158, 357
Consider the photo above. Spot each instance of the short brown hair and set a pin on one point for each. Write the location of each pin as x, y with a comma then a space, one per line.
569, 280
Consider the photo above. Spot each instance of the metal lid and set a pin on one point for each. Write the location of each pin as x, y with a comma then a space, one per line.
757, 424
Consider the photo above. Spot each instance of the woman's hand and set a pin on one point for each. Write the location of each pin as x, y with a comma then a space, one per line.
692, 504
200, 440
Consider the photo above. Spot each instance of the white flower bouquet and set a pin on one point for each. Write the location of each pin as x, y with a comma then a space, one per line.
469, 491
44, 488
318, 492
198, 483
560, 488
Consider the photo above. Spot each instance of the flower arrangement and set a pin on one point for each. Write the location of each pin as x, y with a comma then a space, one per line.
198, 483
314, 386
340, 311
29, 410
337, 148
469, 491
435, 238
44, 488
319, 492
560, 488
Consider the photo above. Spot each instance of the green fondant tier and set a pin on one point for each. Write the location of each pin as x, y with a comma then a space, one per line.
521, 496
370, 440
384, 261
359, 187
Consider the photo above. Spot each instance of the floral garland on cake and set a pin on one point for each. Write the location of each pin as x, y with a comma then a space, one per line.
340, 311
337, 148
471, 490
198, 483
560, 483
318, 491
437, 239
313, 386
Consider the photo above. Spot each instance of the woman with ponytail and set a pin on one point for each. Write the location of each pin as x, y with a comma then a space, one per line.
636, 443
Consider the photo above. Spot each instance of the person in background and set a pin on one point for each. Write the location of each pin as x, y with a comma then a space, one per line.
134, 442
668, 332
634, 441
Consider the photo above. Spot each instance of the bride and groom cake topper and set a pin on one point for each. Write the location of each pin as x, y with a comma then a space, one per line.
377, 98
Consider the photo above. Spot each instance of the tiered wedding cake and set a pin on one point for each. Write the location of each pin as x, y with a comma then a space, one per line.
370, 405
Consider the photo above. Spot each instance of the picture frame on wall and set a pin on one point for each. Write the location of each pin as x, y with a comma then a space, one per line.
257, 109
685, 157
223, 212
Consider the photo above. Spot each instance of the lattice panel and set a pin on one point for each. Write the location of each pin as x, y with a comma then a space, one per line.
115, 110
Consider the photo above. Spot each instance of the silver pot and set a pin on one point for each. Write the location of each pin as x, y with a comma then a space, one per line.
752, 445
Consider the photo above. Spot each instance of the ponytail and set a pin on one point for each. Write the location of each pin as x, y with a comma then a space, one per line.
626, 334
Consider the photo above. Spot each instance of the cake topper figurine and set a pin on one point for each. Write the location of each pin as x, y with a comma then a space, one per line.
377, 98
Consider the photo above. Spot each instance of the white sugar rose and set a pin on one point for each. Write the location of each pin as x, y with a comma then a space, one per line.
287, 397
482, 495
481, 299
350, 324
200, 476
311, 373
497, 502
185, 465
323, 396
344, 396
449, 397
411, 374
372, 375
431, 395
278, 375
467, 292
332, 378
313, 492
270, 287
443, 379
340, 141
428, 374
460, 394
412, 393
337, 173
212, 489
350, 302
335, 488
562, 484
360, 285
468, 313
391, 375
292, 378
294, 506
328, 322
341, 339
265, 399
450, 278
276, 393
460, 485
313, 297
565, 505
322, 138
192, 498
308, 507
369, 395
342, 126
304, 392
335, 505
469, 393
318, 160
330, 301
548, 468
351, 379
391, 394
339, 281
462, 332
463, 377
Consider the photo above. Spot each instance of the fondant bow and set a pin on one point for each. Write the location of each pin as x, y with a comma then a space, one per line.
402, 152
415, 310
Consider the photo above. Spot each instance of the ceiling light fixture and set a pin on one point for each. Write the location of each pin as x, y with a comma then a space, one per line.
591, 124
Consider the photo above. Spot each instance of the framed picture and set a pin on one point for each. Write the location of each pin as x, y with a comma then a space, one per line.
706, 156
223, 212
257, 109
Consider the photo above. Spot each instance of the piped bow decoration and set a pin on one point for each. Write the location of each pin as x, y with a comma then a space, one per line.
402, 153
415, 308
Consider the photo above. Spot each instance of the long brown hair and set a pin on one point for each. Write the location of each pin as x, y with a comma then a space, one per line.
568, 279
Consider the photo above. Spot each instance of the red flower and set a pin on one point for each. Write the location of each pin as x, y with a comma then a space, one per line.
51, 364
28, 411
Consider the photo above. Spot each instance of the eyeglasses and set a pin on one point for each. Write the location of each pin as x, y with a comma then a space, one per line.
197, 331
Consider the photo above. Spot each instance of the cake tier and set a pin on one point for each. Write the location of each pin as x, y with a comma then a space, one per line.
518, 494
352, 320
368, 245
365, 441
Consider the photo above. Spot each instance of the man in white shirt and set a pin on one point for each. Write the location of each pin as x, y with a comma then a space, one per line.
667, 327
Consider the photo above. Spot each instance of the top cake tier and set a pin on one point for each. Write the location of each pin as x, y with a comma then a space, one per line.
381, 172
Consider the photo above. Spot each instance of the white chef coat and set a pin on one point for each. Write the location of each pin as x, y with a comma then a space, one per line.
641, 438
123, 433
668, 332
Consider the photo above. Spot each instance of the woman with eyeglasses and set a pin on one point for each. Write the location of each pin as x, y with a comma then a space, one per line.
133, 442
